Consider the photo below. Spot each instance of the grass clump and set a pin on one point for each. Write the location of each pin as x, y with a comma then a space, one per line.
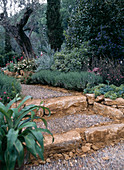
109, 91
71, 80
9, 87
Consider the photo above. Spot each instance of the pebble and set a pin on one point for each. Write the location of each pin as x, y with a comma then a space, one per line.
111, 159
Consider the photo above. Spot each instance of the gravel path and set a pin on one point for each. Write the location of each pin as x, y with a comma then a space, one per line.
38, 92
108, 158
68, 122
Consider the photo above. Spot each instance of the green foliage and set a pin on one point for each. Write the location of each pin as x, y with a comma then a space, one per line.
45, 60
8, 57
109, 91
9, 87
25, 64
54, 24
18, 131
100, 23
71, 80
76, 59
66, 8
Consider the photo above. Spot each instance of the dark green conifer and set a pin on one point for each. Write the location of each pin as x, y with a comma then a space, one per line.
54, 24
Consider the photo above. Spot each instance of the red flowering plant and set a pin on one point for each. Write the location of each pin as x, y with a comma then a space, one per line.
110, 70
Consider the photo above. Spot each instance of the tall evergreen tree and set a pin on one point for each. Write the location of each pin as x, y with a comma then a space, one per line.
54, 24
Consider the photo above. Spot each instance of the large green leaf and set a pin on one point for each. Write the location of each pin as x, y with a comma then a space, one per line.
2, 106
47, 131
11, 138
24, 121
24, 114
27, 125
8, 117
11, 102
10, 157
39, 151
30, 144
24, 100
39, 137
19, 147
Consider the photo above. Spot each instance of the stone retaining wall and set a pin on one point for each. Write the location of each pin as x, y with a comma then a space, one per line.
107, 107
83, 140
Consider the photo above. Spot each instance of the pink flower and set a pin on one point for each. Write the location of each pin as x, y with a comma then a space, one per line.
89, 71
21, 58
41, 53
14, 57
7, 97
0, 98
95, 69
4, 92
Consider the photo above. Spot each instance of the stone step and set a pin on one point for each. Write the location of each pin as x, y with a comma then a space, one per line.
84, 139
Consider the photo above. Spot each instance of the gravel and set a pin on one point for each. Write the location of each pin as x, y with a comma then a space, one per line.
108, 158
68, 122
38, 92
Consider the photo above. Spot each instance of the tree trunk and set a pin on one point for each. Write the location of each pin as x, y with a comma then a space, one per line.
8, 47
18, 33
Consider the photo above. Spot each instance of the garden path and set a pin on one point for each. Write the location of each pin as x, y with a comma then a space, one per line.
108, 158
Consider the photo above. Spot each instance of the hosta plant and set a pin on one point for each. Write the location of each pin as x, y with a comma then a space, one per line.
19, 133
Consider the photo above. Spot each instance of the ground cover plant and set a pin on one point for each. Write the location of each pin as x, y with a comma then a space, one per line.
70, 80
9, 87
18, 131
109, 91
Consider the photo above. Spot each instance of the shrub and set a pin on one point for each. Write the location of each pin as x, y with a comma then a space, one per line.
6, 58
110, 70
101, 23
71, 80
9, 87
24, 64
18, 131
44, 62
76, 59
109, 91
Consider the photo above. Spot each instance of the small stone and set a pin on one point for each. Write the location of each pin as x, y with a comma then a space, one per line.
71, 164
42, 162
59, 155
48, 160
85, 148
71, 154
66, 157
73, 150
88, 144
95, 148
99, 98
83, 155
105, 158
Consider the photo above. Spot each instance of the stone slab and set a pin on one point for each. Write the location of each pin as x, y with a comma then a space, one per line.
107, 111
118, 102
68, 104
104, 133
62, 142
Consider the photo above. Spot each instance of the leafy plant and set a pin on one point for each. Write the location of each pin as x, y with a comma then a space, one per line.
24, 64
18, 131
109, 91
9, 87
76, 59
70, 80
